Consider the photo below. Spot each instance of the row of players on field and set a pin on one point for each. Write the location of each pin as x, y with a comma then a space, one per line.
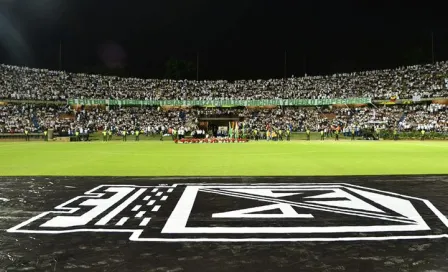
270, 134
254, 134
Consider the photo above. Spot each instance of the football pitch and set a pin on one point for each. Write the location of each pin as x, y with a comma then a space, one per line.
260, 206
154, 158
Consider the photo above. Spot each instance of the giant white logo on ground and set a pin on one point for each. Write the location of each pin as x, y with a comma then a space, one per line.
243, 213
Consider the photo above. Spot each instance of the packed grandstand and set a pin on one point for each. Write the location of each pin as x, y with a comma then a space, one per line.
36, 100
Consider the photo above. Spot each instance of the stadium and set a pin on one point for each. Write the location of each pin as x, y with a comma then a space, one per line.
339, 172
171, 136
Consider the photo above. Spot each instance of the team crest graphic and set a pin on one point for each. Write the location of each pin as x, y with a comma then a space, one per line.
243, 213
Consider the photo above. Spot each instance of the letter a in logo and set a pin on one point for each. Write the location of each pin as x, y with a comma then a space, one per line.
263, 211
287, 212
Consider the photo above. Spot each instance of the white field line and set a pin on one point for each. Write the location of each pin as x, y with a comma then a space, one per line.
203, 155
389, 144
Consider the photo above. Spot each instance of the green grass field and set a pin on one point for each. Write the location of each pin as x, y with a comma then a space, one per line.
153, 158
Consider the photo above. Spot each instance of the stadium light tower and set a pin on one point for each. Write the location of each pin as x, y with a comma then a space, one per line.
284, 68
197, 66
60, 54
432, 46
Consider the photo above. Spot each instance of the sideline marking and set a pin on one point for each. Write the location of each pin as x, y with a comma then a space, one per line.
120, 208
136, 208
145, 221
122, 221
140, 214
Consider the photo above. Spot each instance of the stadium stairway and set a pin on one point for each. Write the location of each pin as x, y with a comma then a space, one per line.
67, 116
34, 121
329, 116
402, 117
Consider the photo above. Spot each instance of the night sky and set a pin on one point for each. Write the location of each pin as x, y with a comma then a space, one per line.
234, 39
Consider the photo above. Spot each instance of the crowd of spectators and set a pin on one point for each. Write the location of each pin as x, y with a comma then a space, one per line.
426, 117
430, 117
23, 83
14, 118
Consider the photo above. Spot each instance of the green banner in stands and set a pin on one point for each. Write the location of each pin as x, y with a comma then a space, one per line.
221, 103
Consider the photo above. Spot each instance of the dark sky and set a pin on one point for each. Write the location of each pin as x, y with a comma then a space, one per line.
244, 39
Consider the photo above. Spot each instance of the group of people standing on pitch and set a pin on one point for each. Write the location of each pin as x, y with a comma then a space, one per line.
323, 134
28, 135
270, 134
107, 135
